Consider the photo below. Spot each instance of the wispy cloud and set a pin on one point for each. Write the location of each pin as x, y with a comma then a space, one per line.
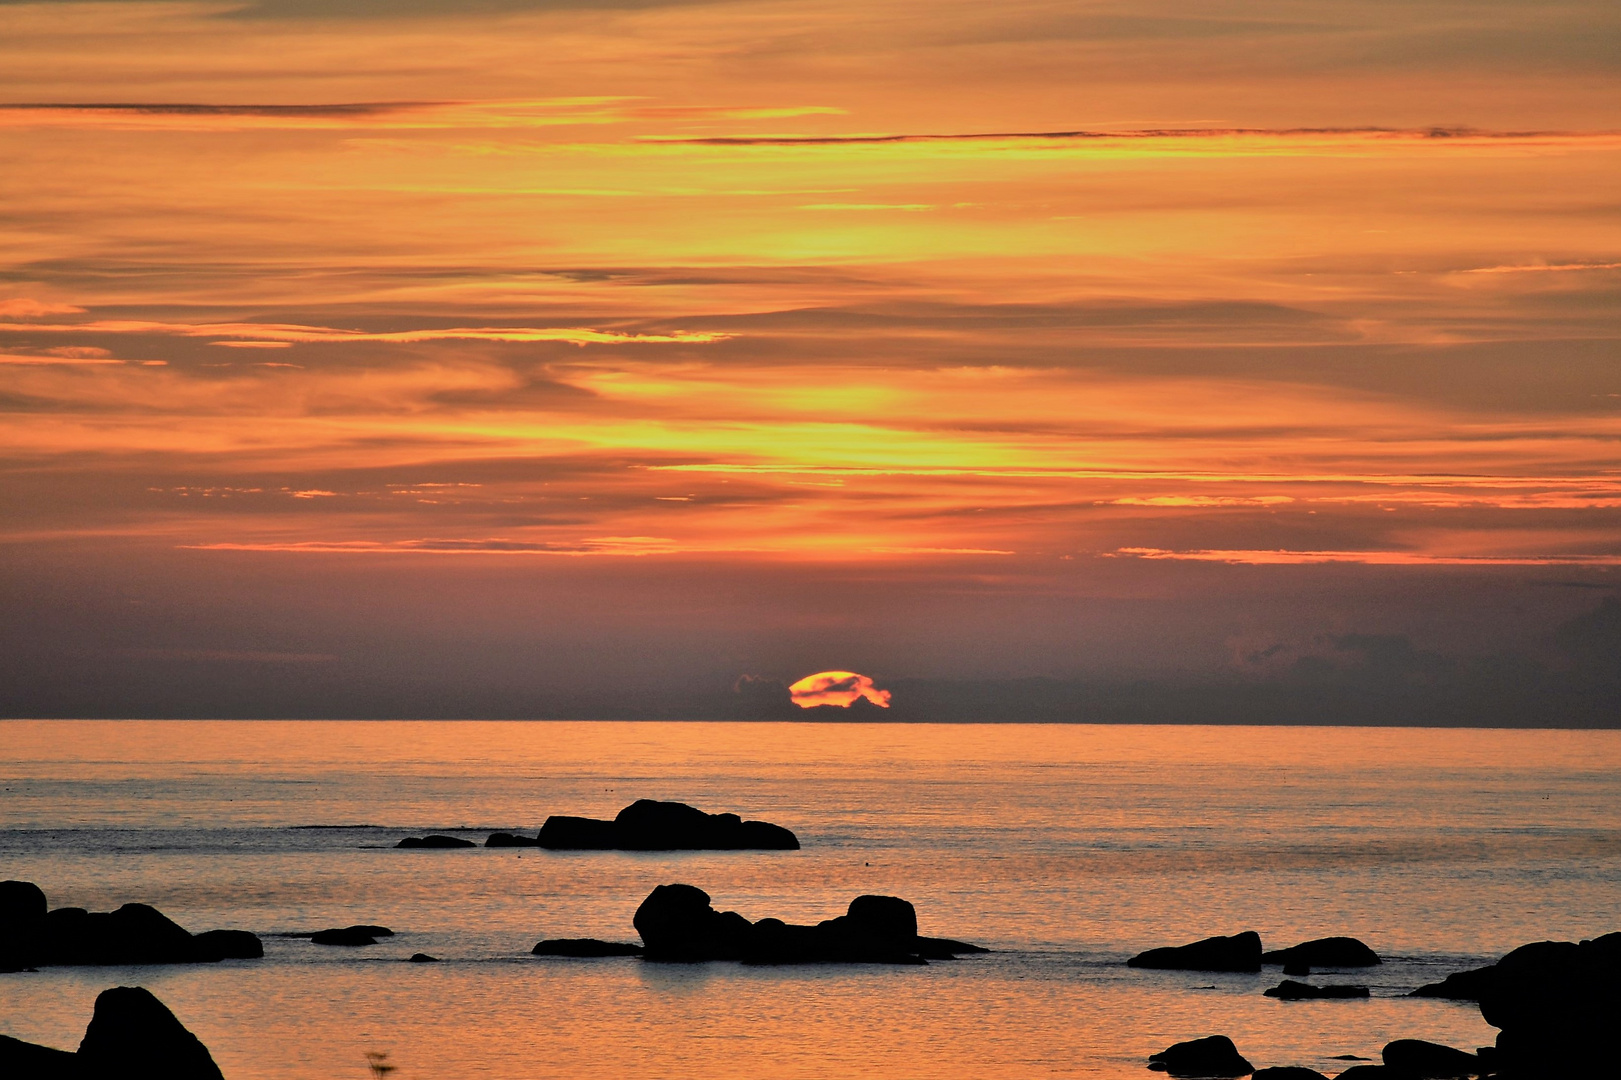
271, 335
1282, 557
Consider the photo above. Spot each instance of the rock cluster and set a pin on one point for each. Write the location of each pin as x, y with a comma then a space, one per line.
646, 825
31, 935
1242, 952
678, 923
131, 1034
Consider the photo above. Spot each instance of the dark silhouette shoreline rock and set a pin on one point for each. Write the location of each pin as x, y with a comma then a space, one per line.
422, 958
1289, 990
677, 923
1556, 1003
33, 936
1416, 1059
1460, 985
1240, 952
507, 839
648, 825
1209, 1058
436, 841
584, 947
359, 934
1288, 1072
1329, 952
131, 1034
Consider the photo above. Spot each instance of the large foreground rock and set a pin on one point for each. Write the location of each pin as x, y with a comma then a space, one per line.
131, 1035
134, 934
1212, 1057
677, 922
1330, 952
1240, 952
646, 825
1557, 1003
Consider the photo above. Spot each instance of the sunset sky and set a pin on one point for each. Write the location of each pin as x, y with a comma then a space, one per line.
595, 359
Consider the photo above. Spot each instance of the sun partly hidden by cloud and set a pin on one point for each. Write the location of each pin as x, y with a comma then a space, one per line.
842, 688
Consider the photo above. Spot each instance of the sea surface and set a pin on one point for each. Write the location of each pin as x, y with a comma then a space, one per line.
1065, 849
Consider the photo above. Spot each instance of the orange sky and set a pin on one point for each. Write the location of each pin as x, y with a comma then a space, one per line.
897, 287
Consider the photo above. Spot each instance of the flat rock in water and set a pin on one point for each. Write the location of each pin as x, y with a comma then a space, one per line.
134, 1034
1288, 1072
360, 934
422, 958
1240, 952
584, 947
677, 922
436, 840
31, 936
1329, 952
648, 825
1420, 1060
1211, 1058
507, 839
1289, 990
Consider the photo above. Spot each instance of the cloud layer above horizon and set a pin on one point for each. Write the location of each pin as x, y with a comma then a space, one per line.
1090, 311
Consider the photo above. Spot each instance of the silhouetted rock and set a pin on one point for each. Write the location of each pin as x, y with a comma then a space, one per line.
1366, 1072
434, 841
1240, 952
647, 825
1295, 967
423, 958
1288, 1072
1289, 990
1329, 952
506, 839
1459, 986
360, 934
29, 1061
1556, 1003
133, 1034
134, 934
22, 918
1415, 1059
677, 923
214, 945
1212, 1057
584, 947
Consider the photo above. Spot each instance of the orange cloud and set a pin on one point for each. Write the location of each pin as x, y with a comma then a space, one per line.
842, 688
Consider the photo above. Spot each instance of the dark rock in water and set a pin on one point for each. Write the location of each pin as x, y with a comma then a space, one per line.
1289, 990
1329, 952
1367, 1072
1209, 1058
1295, 967
29, 1061
228, 945
1289, 1072
506, 839
132, 1033
677, 923
1459, 986
1415, 1059
361, 934
434, 841
1241, 952
648, 825
1556, 1003
423, 958
584, 947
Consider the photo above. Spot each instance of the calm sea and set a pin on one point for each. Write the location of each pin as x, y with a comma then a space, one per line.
1064, 848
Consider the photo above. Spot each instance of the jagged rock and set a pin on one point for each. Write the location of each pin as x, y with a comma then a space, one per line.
422, 958
584, 947
1288, 1072
1209, 1058
1329, 952
1240, 952
1415, 1059
1460, 985
506, 839
434, 841
360, 934
648, 825
133, 1034
677, 923
1289, 990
